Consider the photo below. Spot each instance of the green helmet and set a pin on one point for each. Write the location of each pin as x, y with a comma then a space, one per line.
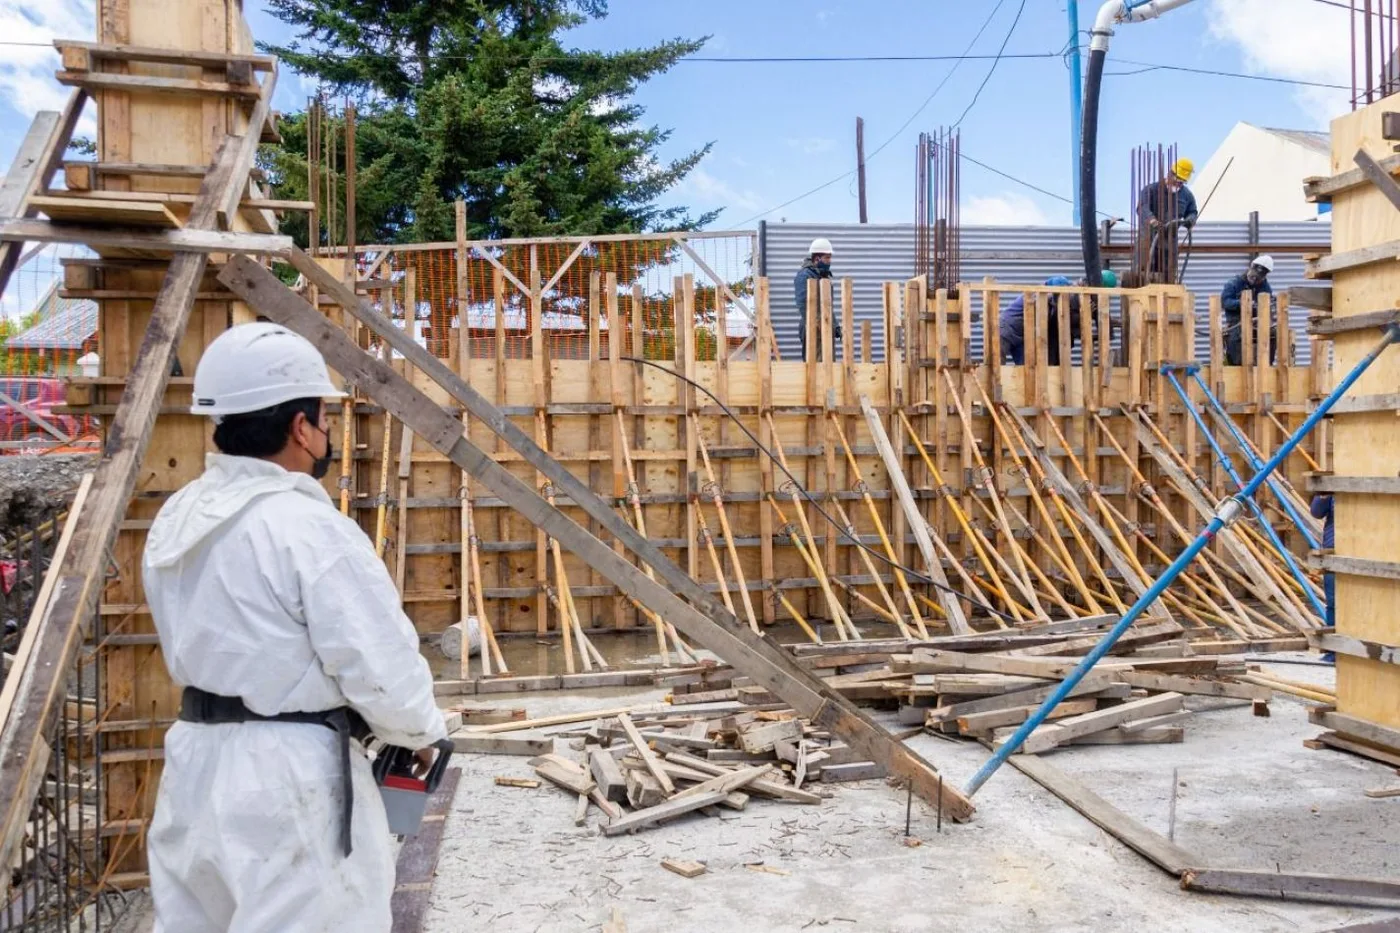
1109, 278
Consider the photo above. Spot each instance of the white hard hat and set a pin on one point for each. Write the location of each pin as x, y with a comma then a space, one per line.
1265, 261
820, 245
255, 366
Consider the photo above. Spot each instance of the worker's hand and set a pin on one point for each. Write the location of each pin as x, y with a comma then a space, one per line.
424, 760
1152, 221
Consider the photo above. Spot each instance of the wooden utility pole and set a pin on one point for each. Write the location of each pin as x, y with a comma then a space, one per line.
860, 166
350, 190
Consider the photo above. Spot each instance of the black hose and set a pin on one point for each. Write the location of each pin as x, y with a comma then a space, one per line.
1088, 157
916, 575
1186, 260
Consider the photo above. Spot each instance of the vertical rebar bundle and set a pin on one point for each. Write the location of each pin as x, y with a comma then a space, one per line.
1155, 250
936, 217
1375, 72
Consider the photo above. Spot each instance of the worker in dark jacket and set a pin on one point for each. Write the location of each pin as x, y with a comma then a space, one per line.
1255, 280
1011, 321
1324, 508
815, 267
1163, 206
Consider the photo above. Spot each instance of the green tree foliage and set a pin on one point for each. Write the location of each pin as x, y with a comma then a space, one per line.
15, 362
479, 100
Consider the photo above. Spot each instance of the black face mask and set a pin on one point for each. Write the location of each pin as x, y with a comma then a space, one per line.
823, 267
322, 465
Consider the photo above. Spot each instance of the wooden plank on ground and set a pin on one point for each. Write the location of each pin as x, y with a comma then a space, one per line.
672, 808
1052, 735
1153, 846
1331, 889
467, 743
608, 775
1355, 727
417, 862
647, 755
686, 868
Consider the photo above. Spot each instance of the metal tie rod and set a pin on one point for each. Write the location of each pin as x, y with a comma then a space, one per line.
1229, 467
1228, 512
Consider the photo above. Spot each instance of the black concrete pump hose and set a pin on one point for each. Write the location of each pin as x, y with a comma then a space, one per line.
1088, 157
916, 575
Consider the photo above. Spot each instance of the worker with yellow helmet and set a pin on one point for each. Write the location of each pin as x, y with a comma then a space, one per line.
1163, 206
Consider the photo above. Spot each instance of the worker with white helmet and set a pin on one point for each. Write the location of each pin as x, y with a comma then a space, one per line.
1163, 207
287, 635
816, 266
1254, 280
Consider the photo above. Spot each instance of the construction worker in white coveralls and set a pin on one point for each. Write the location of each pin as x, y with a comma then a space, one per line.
287, 635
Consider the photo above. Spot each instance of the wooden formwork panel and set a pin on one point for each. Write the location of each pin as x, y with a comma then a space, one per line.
1366, 443
675, 492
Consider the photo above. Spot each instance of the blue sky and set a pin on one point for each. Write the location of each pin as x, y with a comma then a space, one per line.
780, 129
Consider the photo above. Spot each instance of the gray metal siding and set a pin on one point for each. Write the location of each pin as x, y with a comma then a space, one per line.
872, 254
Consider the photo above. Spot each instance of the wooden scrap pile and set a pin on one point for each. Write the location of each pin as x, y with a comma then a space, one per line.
642, 769
983, 686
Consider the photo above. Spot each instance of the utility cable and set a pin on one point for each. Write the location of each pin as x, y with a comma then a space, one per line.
878, 149
919, 576
1016, 21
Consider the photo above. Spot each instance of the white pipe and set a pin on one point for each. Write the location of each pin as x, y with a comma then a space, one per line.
1121, 11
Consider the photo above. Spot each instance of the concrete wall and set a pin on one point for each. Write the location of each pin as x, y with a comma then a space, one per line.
1266, 176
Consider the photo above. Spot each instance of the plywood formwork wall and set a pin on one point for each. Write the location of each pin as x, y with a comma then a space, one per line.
593, 412
1367, 443
138, 698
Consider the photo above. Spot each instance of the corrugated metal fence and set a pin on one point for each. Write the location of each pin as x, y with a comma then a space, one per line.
872, 254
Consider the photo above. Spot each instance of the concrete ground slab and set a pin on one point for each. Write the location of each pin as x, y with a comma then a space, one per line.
1249, 795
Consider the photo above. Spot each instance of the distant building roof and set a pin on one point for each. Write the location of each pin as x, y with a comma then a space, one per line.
1318, 142
64, 324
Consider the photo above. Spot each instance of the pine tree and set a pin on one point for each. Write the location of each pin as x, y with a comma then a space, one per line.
479, 100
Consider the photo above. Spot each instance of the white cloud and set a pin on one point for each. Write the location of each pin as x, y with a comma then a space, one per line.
27, 71
811, 145
720, 193
1007, 209
823, 16
1296, 39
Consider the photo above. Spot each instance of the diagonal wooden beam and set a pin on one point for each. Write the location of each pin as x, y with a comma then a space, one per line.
1378, 176
707, 621
34, 416
81, 576
246, 154
510, 276
33, 170
917, 523
720, 283
559, 273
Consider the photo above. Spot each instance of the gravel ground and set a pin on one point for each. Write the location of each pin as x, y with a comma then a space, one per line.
31, 485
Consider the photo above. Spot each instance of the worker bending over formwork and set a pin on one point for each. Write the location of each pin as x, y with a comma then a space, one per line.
1011, 321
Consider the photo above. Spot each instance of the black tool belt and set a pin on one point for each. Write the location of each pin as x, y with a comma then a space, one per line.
200, 706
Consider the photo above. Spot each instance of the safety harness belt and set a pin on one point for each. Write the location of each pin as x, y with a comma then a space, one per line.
200, 706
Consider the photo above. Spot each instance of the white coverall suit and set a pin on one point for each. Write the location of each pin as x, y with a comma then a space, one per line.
261, 589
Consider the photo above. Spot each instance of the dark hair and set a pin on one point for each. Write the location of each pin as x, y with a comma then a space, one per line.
263, 433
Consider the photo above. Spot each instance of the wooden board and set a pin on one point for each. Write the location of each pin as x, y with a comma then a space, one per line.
1367, 526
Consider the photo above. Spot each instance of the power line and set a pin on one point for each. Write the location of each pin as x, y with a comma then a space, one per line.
992, 70
1349, 8
1150, 66
782, 59
934, 93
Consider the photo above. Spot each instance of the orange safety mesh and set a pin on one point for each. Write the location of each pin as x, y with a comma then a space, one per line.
45, 338
649, 271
